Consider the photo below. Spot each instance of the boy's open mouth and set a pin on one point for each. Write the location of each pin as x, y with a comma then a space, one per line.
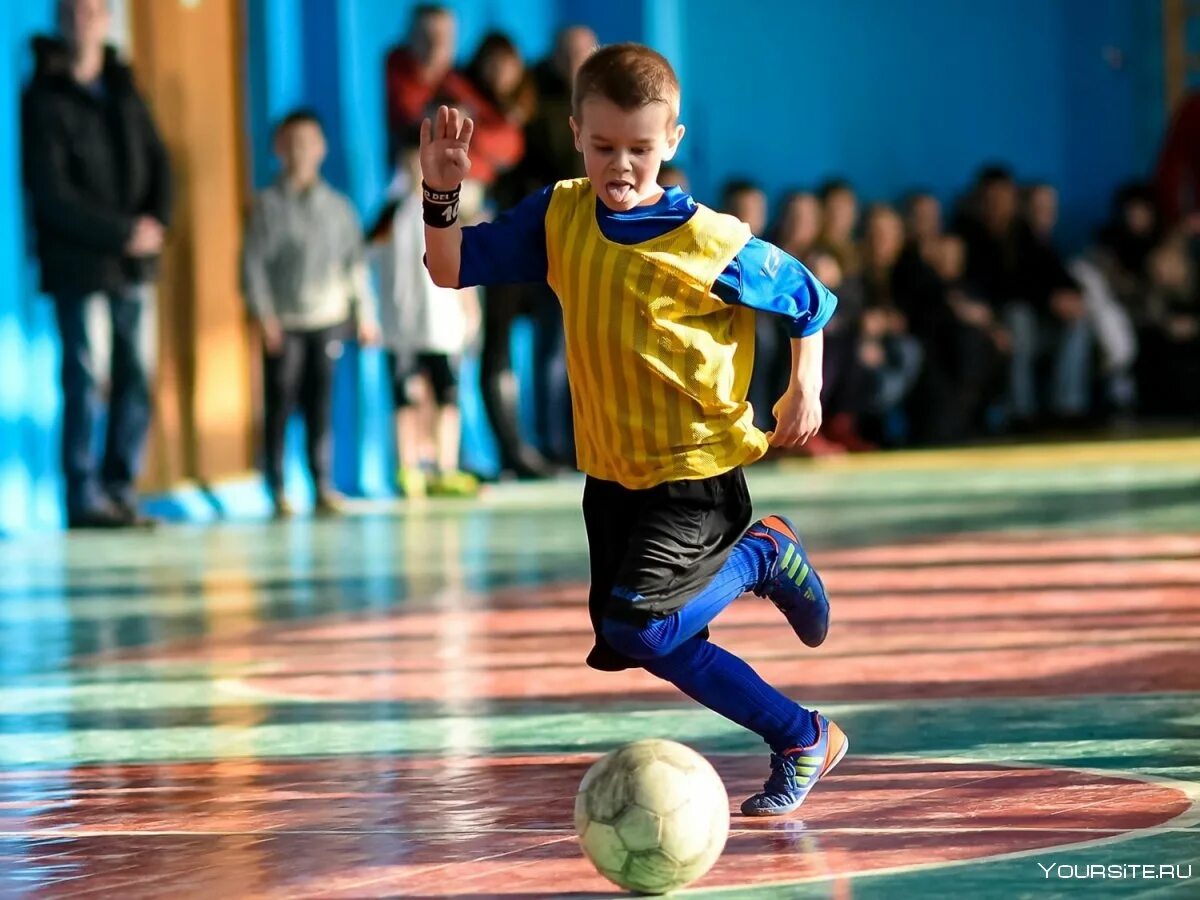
618, 191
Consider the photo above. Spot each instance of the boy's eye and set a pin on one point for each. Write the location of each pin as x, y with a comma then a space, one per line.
641, 151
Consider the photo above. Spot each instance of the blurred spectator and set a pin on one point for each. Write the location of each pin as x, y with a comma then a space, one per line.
497, 72
100, 191
890, 350
798, 224
415, 73
1127, 241
1060, 306
846, 375
1024, 280
1169, 365
923, 220
964, 345
1107, 320
746, 201
303, 277
419, 78
670, 175
550, 156
426, 329
839, 222
550, 153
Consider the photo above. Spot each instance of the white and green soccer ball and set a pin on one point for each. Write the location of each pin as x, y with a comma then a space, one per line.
652, 816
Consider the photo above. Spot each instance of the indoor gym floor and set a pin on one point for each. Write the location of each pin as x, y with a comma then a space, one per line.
395, 704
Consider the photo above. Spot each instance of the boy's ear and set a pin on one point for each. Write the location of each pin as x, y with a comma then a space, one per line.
575, 131
673, 139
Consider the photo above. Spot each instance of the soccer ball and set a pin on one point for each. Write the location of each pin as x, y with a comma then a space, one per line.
652, 816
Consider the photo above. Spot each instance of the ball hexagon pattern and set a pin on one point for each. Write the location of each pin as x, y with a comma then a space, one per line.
652, 816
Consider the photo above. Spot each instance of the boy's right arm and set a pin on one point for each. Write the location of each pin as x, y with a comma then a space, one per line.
444, 165
509, 250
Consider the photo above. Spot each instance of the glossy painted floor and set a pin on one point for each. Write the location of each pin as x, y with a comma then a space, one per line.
395, 704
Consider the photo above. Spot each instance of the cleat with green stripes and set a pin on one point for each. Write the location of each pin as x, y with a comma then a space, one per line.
793, 585
795, 772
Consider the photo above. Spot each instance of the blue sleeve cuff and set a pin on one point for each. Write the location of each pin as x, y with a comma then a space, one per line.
804, 327
767, 279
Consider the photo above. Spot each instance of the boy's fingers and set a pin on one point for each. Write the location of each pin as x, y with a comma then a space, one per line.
443, 116
426, 125
468, 129
454, 122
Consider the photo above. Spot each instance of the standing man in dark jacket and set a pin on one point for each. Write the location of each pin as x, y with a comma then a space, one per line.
99, 184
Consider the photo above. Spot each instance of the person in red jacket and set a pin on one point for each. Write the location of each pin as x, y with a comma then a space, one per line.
420, 77
1178, 174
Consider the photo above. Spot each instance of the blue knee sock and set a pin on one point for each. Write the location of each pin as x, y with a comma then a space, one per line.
747, 565
727, 685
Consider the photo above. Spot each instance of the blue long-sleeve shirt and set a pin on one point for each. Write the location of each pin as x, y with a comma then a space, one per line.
512, 249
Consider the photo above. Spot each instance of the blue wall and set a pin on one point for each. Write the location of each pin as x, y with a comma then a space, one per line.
29, 477
900, 95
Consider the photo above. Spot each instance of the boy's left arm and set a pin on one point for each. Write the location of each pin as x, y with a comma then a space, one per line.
798, 411
766, 279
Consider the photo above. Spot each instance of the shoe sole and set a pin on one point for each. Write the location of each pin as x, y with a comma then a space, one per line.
831, 763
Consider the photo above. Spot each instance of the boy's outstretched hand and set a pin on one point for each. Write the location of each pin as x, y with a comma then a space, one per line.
444, 144
797, 418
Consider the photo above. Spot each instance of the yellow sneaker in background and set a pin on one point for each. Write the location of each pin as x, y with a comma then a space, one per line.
454, 484
413, 483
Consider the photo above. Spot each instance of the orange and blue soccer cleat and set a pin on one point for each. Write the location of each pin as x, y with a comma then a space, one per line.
795, 772
793, 585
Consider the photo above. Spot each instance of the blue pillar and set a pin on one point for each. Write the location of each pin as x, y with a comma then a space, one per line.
275, 75
30, 483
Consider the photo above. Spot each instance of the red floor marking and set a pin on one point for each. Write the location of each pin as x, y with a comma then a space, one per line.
1039, 627
434, 827
1023, 547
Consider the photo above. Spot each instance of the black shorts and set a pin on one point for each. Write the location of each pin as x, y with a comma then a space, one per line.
439, 368
653, 550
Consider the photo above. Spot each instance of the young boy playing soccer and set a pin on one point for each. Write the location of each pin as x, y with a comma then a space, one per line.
659, 295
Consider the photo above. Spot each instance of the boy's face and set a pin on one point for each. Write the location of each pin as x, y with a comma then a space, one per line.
623, 149
301, 150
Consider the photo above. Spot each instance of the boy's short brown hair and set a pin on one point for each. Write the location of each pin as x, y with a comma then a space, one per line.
630, 75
